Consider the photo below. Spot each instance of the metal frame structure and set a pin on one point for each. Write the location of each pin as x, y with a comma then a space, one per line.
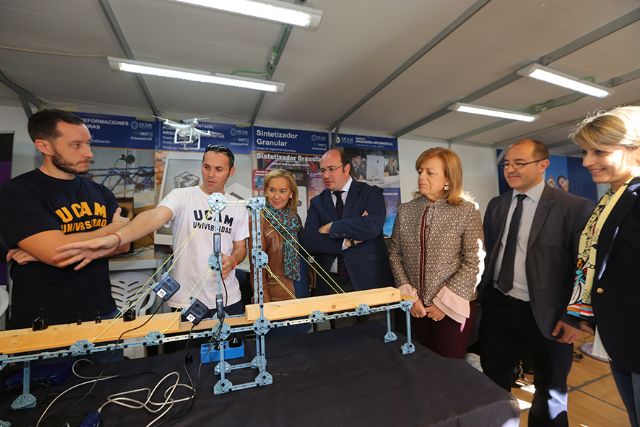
220, 331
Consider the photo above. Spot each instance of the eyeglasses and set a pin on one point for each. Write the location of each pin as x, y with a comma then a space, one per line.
220, 149
518, 164
330, 169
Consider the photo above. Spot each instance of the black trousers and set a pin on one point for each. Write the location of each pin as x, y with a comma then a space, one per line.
506, 327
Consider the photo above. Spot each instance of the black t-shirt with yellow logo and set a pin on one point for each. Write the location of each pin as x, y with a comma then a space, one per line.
35, 202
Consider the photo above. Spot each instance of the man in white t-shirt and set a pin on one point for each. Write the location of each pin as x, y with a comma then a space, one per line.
188, 213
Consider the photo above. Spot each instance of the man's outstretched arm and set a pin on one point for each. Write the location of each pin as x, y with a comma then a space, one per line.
86, 251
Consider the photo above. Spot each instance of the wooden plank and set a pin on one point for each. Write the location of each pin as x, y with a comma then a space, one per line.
62, 336
327, 304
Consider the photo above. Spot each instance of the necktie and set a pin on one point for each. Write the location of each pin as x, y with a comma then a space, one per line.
342, 268
505, 278
339, 203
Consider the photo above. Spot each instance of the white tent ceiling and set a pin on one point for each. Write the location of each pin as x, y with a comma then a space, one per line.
353, 73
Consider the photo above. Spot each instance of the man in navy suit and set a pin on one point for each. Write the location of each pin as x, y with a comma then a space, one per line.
344, 230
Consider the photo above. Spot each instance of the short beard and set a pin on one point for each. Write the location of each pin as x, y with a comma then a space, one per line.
59, 163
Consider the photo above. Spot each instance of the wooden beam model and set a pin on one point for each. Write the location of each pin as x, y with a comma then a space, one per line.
303, 307
63, 336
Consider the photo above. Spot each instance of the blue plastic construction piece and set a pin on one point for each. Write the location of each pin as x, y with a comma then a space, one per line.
209, 353
91, 420
44, 374
26, 400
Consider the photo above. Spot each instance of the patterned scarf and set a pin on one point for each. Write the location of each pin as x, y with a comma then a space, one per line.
580, 303
287, 224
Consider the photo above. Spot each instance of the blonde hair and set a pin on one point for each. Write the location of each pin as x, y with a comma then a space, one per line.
619, 127
452, 172
282, 173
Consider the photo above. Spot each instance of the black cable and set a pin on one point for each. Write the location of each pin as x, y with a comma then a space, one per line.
188, 404
106, 365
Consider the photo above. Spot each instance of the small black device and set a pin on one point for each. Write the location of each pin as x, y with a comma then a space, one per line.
129, 315
39, 324
219, 306
217, 243
196, 312
166, 287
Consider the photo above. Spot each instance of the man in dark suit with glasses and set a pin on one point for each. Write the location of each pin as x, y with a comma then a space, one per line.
344, 229
531, 237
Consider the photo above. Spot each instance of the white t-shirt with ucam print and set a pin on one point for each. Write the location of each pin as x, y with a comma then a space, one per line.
191, 213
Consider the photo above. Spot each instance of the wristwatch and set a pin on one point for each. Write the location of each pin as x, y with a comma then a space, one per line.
352, 243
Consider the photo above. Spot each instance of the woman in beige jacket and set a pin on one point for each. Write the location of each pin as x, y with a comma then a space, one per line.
437, 256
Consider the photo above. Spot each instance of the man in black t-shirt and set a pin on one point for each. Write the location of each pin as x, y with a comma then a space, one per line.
51, 206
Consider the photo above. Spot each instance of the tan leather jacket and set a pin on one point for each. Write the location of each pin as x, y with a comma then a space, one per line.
272, 244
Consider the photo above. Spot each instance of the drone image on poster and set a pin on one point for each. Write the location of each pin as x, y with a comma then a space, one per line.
125, 330
186, 132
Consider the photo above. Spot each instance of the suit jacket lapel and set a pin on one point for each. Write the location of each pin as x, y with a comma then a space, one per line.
540, 216
612, 225
327, 201
352, 195
500, 224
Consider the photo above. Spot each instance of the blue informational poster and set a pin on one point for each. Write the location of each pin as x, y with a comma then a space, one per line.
364, 142
122, 149
374, 160
391, 201
119, 131
580, 181
190, 136
289, 140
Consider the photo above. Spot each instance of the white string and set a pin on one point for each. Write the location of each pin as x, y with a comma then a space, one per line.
68, 390
148, 404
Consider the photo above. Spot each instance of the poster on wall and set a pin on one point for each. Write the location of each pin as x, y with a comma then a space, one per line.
123, 161
179, 164
374, 160
303, 166
563, 173
123, 156
297, 151
289, 140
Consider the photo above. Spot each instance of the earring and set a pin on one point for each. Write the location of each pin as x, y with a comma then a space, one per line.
446, 186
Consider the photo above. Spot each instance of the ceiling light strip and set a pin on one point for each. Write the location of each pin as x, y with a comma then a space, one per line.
546, 74
159, 70
492, 112
271, 10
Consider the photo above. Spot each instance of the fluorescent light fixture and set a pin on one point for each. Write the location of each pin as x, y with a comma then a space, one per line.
493, 112
271, 10
548, 75
148, 68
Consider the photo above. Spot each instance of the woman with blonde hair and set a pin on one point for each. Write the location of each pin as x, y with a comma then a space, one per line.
280, 225
606, 286
436, 254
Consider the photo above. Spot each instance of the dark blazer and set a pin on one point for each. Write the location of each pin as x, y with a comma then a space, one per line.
551, 250
368, 262
615, 295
